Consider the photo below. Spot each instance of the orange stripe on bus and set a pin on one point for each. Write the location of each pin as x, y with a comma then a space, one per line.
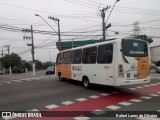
142, 67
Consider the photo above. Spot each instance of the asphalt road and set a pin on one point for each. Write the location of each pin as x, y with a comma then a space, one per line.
24, 92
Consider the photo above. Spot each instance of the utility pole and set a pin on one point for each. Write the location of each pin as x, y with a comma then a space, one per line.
109, 25
136, 28
7, 46
103, 21
32, 47
2, 54
2, 64
33, 60
59, 34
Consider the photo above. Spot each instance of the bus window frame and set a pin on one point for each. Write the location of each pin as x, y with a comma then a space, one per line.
59, 58
106, 62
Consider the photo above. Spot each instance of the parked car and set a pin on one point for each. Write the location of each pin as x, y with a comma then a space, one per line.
152, 66
157, 69
17, 69
50, 70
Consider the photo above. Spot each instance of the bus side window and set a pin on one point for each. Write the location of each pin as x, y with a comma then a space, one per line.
105, 53
89, 55
67, 57
76, 56
59, 58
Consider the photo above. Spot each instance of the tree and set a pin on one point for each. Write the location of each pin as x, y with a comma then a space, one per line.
47, 64
26, 64
11, 60
39, 64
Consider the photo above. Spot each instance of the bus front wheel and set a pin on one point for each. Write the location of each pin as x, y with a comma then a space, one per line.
86, 83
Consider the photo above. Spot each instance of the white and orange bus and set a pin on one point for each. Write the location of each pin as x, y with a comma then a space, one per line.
115, 62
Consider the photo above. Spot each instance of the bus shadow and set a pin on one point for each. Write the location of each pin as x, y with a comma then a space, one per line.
101, 88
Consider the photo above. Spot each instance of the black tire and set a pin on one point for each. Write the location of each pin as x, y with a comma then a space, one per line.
86, 83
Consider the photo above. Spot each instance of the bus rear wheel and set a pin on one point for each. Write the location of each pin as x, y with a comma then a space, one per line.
60, 77
86, 83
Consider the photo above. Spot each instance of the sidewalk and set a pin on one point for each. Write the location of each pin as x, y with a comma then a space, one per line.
23, 75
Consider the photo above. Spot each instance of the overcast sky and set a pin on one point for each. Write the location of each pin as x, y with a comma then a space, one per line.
79, 20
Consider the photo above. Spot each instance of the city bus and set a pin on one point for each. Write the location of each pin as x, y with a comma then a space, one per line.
114, 62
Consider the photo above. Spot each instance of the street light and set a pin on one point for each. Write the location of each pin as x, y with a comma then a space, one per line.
112, 10
59, 35
45, 21
53, 28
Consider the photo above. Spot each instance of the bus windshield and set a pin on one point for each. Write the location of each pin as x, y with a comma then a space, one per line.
134, 48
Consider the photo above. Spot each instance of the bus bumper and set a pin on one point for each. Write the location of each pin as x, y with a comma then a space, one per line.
121, 82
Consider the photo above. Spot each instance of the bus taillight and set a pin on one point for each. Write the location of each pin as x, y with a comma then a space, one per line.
120, 70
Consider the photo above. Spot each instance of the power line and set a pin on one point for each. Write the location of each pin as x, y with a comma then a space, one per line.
125, 8
24, 7
80, 4
150, 21
86, 3
129, 8
16, 20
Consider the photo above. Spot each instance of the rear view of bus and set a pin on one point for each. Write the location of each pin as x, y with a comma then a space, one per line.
134, 67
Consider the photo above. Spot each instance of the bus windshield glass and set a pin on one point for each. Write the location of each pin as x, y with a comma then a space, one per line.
134, 48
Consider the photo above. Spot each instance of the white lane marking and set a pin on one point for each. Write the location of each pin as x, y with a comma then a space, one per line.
132, 88
139, 87
113, 107
29, 79
16, 80
154, 95
93, 96
125, 103
35, 78
146, 97
136, 100
147, 118
8, 118
81, 99
105, 94
34, 110
154, 84
6, 82
51, 106
146, 85
81, 118
67, 102
98, 110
